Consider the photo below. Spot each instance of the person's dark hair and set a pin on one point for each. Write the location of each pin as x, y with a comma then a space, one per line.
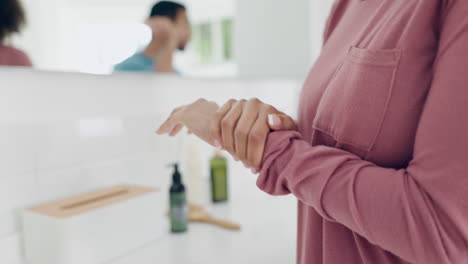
166, 9
12, 18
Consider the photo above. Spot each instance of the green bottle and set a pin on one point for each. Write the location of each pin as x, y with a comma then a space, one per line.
219, 178
178, 203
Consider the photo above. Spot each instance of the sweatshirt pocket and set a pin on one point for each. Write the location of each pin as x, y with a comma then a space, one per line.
355, 101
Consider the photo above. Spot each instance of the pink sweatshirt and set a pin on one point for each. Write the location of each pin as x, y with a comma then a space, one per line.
380, 162
13, 57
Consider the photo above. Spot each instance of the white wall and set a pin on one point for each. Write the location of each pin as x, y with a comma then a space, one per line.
67, 133
279, 38
318, 15
272, 38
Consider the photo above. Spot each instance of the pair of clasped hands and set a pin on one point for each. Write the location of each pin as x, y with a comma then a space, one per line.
240, 127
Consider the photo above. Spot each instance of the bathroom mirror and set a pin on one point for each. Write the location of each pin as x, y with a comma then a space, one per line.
231, 38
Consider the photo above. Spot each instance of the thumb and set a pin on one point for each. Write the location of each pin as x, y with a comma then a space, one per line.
281, 122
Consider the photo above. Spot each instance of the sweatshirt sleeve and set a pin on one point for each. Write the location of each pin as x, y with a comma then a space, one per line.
419, 213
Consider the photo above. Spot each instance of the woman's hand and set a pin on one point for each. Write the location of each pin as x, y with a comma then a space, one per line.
245, 127
239, 127
201, 118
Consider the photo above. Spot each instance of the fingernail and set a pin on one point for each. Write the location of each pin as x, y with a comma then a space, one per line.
254, 171
274, 120
235, 157
217, 144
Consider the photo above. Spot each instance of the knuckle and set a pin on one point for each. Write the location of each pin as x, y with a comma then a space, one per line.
255, 101
239, 105
227, 105
226, 124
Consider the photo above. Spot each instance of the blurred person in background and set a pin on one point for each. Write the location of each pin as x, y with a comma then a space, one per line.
12, 20
171, 32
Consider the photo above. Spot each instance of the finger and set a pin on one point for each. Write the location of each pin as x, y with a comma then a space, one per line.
216, 124
166, 127
244, 126
281, 122
228, 124
176, 130
171, 122
257, 139
223, 110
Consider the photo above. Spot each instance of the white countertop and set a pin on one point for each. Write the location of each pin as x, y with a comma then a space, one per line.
268, 233
267, 236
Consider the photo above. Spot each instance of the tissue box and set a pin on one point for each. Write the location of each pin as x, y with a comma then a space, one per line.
93, 228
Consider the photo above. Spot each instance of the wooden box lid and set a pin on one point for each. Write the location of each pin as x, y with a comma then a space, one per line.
90, 201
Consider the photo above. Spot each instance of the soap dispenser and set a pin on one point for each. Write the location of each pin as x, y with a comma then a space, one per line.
178, 203
219, 177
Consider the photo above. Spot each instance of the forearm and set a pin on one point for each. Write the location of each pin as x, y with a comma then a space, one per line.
387, 206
